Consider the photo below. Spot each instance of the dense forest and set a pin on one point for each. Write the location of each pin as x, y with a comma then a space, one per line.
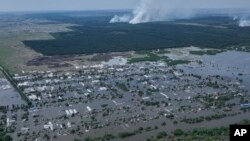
95, 35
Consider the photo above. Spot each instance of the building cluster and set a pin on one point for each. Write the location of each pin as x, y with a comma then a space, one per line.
120, 97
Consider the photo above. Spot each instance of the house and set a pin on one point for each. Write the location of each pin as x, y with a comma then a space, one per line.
9, 122
49, 126
89, 109
32, 97
103, 89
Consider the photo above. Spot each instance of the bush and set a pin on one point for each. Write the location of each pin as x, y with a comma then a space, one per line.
125, 134
178, 132
162, 134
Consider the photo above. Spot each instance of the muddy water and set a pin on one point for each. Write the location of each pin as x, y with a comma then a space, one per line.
8, 95
228, 64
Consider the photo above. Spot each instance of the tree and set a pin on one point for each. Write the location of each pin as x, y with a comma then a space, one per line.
162, 134
178, 132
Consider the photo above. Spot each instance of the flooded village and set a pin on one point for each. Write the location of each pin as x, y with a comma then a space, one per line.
120, 99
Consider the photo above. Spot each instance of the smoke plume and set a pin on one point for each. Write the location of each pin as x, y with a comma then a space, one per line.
120, 19
243, 21
160, 10
168, 10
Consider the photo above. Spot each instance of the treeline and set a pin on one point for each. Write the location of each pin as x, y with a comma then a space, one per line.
4, 136
202, 134
101, 37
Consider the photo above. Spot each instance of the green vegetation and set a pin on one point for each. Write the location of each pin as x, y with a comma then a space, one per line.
203, 118
98, 36
122, 87
126, 134
214, 85
151, 57
5, 53
4, 136
177, 62
201, 134
105, 137
208, 134
245, 122
218, 102
161, 135
150, 103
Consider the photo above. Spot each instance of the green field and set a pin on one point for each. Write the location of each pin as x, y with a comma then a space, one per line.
5, 53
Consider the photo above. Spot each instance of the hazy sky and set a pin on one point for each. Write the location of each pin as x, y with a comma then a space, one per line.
41, 5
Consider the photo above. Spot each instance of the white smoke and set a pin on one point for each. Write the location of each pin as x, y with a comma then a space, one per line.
120, 19
160, 10
143, 12
244, 23
167, 10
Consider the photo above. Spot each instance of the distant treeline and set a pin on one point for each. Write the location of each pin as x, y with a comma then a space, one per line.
96, 35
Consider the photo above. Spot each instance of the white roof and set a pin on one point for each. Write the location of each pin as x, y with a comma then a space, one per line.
89, 109
103, 88
75, 111
32, 97
67, 112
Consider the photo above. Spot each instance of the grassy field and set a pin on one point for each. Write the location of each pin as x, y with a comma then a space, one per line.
13, 53
6, 54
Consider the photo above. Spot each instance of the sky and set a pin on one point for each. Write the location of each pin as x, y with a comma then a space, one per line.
54, 5
45, 5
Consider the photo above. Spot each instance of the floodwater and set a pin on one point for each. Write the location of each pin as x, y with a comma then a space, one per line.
116, 61
231, 64
8, 95
125, 114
